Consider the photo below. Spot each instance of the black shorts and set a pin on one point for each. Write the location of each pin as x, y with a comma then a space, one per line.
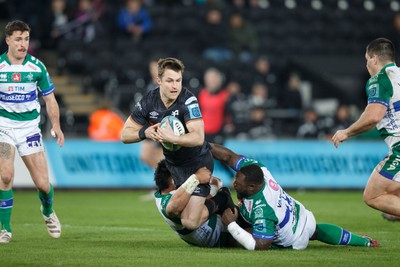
182, 172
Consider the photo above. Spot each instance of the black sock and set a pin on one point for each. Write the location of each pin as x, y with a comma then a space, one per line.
210, 205
220, 200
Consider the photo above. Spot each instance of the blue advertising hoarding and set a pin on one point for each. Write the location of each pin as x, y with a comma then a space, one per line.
294, 164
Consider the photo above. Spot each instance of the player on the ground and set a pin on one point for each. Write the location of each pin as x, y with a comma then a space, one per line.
171, 201
277, 219
22, 76
171, 99
382, 111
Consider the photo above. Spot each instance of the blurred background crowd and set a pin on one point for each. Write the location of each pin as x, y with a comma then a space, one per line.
261, 69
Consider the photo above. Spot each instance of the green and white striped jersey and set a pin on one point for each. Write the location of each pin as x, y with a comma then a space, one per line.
384, 88
272, 212
19, 87
207, 235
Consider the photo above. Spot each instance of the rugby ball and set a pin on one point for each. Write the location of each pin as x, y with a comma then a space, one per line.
176, 126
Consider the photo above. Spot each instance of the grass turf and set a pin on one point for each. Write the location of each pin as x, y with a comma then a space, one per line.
117, 228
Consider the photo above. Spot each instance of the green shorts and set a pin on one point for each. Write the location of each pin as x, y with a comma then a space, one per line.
389, 167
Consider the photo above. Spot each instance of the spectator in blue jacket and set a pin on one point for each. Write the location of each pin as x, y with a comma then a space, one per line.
134, 20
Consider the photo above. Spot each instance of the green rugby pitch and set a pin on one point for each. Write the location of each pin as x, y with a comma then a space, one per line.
118, 228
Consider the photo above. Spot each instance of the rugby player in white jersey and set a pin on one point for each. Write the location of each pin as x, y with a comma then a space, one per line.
22, 77
171, 201
277, 219
382, 191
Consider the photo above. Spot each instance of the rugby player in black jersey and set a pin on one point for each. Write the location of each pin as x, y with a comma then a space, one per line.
171, 99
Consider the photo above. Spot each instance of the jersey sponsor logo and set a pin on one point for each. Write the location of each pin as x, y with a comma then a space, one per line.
138, 106
153, 114
260, 225
273, 185
258, 213
16, 88
373, 90
34, 140
175, 113
17, 98
190, 100
3, 77
395, 163
16, 77
29, 77
194, 111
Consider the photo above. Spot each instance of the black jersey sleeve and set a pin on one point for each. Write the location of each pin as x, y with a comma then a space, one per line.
139, 112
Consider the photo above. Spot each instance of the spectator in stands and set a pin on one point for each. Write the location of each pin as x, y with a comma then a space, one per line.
396, 30
153, 72
264, 73
54, 23
214, 37
259, 97
341, 120
258, 126
134, 20
291, 97
311, 127
237, 109
212, 100
243, 38
86, 24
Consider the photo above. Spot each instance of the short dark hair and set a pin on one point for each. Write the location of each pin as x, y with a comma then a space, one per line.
16, 25
169, 63
253, 174
162, 176
383, 48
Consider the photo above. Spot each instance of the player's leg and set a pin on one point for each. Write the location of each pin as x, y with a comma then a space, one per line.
195, 213
37, 166
151, 153
381, 194
7, 155
336, 235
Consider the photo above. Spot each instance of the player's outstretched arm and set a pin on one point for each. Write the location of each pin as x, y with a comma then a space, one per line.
181, 197
372, 114
224, 155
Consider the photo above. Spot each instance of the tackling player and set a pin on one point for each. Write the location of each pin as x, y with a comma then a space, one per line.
22, 76
277, 219
171, 201
382, 111
171, 99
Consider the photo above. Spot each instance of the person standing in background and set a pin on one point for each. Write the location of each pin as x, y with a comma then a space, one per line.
212, 101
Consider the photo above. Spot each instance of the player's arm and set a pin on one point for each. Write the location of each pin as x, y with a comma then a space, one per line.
243, 237
53, 112
181, 197
224, 155
372, 114
194, 137
134, 132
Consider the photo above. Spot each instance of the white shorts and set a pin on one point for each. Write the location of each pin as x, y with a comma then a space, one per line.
309, 229
27, 141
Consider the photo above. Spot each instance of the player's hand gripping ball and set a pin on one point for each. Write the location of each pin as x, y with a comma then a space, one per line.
178, 129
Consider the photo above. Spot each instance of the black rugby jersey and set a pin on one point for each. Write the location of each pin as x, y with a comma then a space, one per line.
151, 110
